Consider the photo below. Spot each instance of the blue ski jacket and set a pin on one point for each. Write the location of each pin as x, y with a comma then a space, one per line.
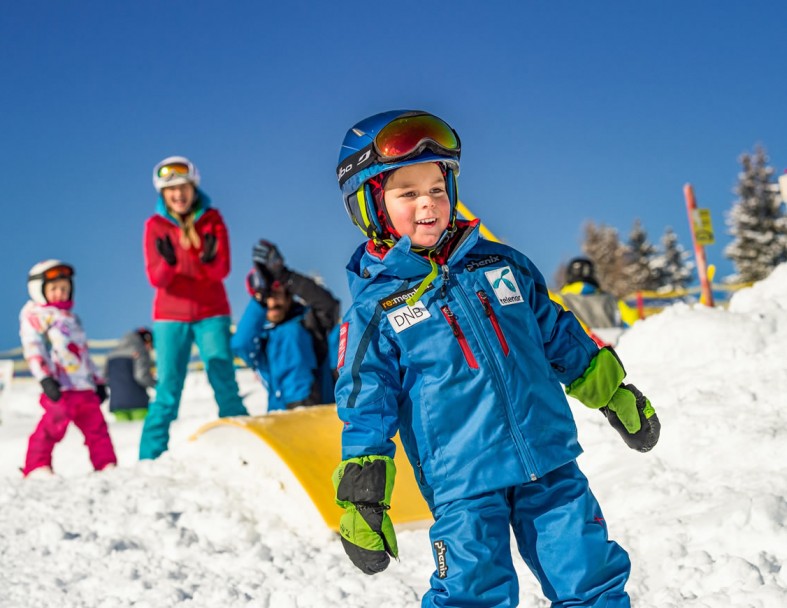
283, 355
470, 375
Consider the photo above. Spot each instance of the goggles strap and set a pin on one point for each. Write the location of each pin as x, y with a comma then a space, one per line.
377, 187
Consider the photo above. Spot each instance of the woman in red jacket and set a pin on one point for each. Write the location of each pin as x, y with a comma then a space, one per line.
187, 257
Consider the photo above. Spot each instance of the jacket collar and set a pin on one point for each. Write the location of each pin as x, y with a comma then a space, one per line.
401, 262
202, 204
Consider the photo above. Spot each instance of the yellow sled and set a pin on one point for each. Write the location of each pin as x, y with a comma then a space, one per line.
308, 441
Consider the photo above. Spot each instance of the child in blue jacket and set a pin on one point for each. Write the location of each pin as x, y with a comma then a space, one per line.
452, 341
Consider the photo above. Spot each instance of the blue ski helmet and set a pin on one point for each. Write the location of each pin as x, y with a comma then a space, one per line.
388, 141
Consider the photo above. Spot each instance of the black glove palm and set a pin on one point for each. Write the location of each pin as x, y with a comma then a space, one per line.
51, 388
167, 250
210, 246
268, 260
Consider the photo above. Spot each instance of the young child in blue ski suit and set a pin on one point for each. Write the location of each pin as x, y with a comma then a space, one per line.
285, 331
452, 341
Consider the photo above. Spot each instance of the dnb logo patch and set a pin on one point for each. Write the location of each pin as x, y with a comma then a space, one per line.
440, 550
504, 285
403, 317
407, 316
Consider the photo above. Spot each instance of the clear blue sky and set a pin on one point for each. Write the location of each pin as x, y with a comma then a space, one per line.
568, 112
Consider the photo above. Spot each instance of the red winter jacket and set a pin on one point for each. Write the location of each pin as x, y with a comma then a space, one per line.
191, 290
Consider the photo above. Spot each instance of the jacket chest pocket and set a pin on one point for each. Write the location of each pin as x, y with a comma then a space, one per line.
491, 316
459, 335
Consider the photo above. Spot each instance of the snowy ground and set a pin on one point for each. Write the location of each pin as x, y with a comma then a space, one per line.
704, 516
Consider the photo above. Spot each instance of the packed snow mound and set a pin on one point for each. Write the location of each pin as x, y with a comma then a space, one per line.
712, 496
765, 297
753, 327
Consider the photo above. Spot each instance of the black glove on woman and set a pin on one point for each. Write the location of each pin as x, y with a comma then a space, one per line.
209, 249
167, 251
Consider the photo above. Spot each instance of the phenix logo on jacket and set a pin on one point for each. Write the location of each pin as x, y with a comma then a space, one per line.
469, 374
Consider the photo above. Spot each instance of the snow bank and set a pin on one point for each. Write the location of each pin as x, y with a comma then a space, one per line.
704, 515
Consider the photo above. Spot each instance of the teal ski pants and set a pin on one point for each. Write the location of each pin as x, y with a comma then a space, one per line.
173, 341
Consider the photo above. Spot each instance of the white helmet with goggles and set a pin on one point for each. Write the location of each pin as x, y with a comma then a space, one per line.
173, 171
388, 141
45, 272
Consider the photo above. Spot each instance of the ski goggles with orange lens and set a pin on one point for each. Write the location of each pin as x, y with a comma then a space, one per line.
408, 134
172, 170
401, 139
57, 272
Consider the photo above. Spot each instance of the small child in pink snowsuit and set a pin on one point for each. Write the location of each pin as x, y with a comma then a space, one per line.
55, 347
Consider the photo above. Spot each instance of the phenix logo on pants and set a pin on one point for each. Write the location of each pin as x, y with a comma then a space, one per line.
440, 549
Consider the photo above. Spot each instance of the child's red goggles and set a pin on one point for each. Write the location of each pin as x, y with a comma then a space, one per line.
56, 272
402, 138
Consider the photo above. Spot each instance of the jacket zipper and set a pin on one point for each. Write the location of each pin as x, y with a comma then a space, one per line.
460, 336
499, 379
490, 314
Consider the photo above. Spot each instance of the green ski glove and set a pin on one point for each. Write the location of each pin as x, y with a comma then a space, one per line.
363, 488
625, 407
631, 414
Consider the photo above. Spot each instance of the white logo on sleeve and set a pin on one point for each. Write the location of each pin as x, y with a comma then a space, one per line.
407, 316
504, 285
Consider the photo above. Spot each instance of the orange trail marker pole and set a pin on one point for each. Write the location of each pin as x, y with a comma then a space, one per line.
699, 250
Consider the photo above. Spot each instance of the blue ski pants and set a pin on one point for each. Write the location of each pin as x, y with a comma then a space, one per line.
560, 533
173, 341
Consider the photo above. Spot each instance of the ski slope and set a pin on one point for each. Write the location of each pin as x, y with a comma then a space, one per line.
218, 523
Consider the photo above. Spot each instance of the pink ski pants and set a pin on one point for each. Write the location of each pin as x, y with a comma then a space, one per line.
83, 409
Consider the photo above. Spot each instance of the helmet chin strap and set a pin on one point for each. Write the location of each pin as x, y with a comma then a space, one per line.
431, 252
444, 238
389, 237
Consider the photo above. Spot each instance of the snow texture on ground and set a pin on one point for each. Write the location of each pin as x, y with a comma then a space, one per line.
704, 515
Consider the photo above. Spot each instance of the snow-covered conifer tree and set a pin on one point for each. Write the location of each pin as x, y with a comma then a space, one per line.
639, 254
672, 266
757, 221
602, 245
